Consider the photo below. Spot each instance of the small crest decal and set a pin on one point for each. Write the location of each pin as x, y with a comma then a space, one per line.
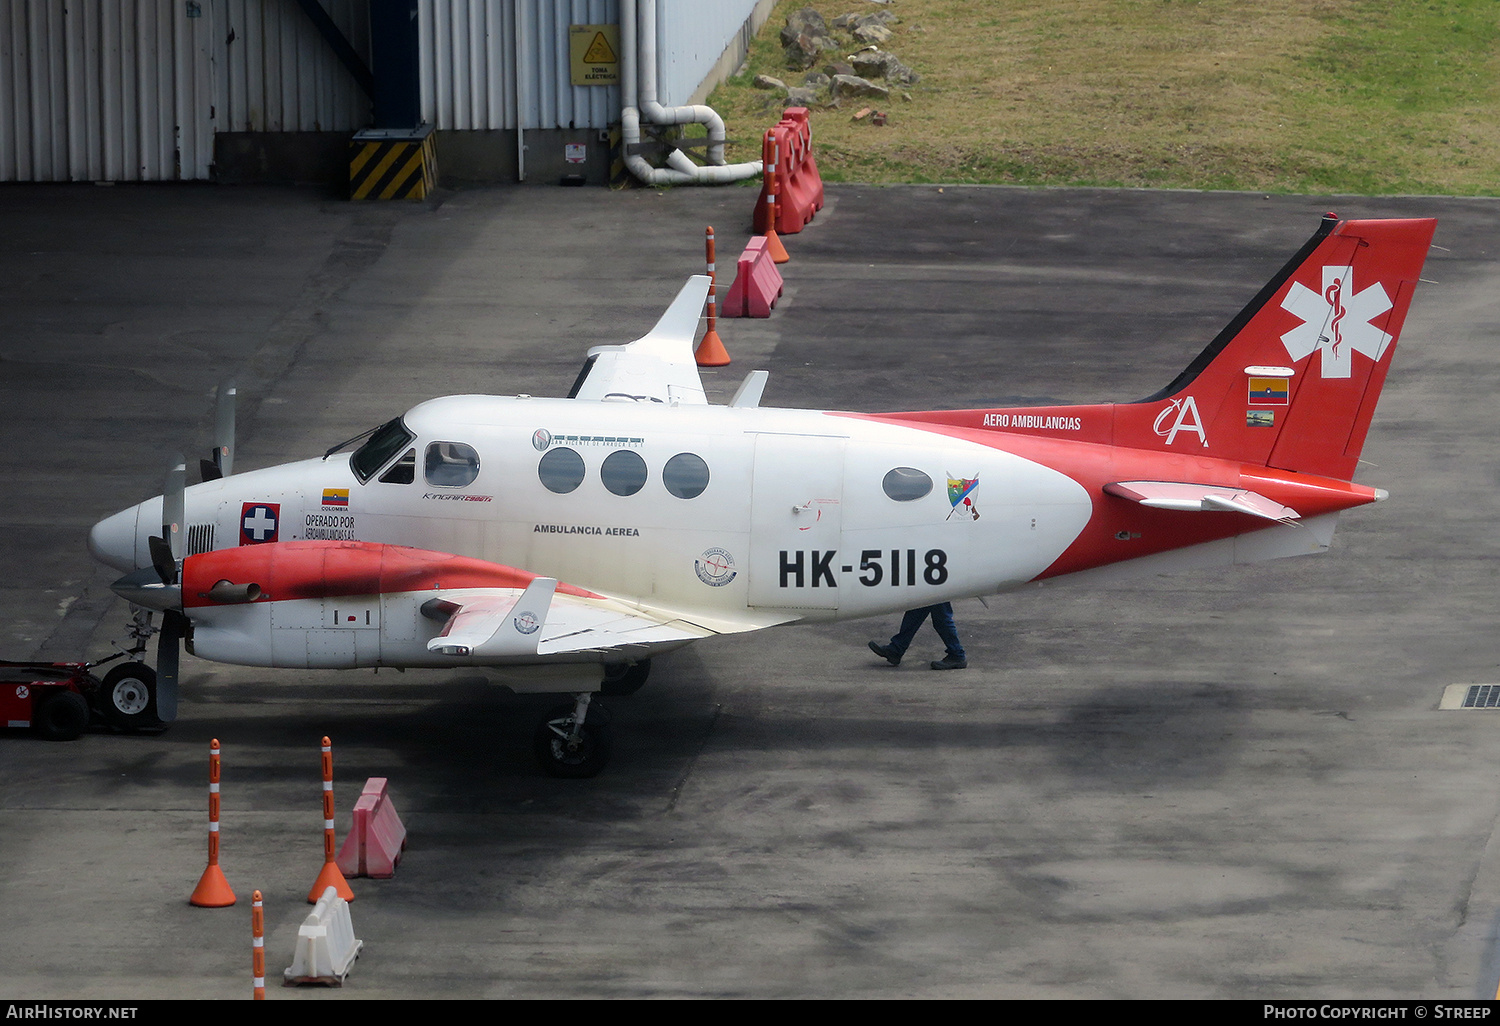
961, 496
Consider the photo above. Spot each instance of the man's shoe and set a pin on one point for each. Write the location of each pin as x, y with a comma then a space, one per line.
949, 662
886, 652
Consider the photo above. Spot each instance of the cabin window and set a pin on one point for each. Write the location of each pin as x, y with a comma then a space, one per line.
905, 484
685, 475
623, 472
403, 471
561, 470
451, 464
384, 442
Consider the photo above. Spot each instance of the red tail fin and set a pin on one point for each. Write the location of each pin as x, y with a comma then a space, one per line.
1292, 382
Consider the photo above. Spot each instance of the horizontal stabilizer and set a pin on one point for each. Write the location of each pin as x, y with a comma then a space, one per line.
659, 366
1197, 498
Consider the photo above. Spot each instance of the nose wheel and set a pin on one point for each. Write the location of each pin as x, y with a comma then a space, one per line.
128, 696
571, 744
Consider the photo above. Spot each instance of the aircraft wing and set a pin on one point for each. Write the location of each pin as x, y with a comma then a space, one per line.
658, 367
540, 621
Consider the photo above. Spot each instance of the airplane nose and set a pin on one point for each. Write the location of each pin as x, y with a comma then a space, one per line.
112, 541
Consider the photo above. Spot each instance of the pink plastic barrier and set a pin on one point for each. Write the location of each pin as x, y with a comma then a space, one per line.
377, 838
757, 283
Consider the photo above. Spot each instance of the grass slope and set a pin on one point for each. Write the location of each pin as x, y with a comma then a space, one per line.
1297, 96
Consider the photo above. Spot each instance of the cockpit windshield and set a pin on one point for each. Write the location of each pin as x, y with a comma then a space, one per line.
388, 439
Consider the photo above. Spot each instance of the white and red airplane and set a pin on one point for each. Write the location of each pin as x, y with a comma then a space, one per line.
562, 543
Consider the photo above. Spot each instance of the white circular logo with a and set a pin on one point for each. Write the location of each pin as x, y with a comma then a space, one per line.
527, 623
716, 568
541, 438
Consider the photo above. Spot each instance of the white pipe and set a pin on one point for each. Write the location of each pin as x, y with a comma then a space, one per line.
521, 77
638, 79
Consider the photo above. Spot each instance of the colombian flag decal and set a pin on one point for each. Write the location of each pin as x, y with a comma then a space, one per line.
1268, 391
335, 496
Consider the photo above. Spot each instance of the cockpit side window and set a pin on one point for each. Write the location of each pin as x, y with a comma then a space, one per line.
387, 440
403, 471
451, 464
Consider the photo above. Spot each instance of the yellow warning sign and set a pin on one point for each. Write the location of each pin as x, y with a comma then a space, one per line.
599, 51
595, 54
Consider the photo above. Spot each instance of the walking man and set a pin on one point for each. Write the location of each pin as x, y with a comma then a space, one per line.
942, 622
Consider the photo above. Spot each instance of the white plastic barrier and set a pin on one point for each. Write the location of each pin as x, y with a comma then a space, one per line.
326, 945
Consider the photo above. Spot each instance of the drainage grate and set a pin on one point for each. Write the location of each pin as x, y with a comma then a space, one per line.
1470, 696
1482, 696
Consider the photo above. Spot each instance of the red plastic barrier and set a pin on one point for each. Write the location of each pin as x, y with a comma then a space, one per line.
799, 187
757, 283
377, 838
812, 181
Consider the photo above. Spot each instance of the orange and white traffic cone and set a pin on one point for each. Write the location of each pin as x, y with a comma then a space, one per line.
331, 876
778, 252
711, 351
257, 947
213, 890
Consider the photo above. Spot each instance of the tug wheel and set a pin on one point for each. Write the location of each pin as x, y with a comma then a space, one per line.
62, 715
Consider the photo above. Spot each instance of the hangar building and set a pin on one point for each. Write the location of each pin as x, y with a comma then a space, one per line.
234, 90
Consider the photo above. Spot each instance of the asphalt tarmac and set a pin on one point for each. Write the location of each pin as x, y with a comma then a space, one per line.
1220, 784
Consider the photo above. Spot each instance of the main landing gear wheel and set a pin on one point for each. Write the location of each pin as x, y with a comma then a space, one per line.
622, 679
570, 745
128, 697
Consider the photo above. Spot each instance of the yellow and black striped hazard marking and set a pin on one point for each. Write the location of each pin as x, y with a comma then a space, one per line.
618, 177
392, 168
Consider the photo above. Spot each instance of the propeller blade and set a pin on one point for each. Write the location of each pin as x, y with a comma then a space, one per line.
174, 506
224, 428
220, 462
168, 654
162, 561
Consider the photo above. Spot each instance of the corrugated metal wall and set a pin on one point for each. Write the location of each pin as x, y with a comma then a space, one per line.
276, 74
104, 90
132, 90
470, 56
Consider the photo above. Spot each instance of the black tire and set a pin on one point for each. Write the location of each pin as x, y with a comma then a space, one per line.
62, 715
573, 761
622, 679
127, 698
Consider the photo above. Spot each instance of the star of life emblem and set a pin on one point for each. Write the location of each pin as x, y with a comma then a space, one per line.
1336, 321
